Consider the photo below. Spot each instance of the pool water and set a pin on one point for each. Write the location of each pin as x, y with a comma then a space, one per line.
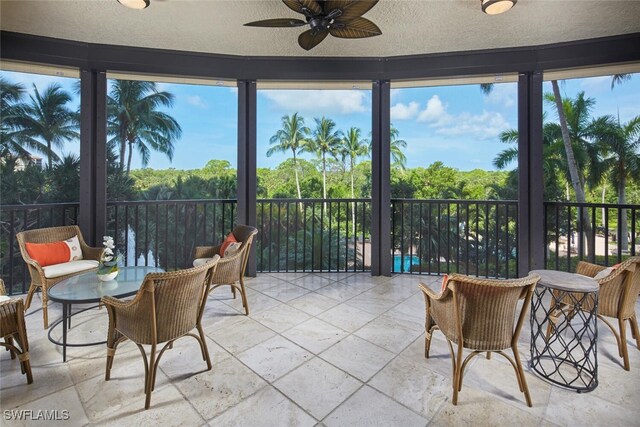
403, 263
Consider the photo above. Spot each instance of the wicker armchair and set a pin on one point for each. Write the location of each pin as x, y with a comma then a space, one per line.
231, 269
617, 298
12, 327
38, 279
479, 314
168, 306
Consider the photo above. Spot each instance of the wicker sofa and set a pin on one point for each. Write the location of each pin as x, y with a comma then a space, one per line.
45, 277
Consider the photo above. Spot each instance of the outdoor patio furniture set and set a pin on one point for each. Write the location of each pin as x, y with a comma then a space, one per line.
481, 315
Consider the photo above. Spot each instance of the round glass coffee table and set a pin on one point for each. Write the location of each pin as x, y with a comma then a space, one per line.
85, 288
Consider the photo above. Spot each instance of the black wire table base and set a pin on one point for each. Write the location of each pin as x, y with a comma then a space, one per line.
564, 334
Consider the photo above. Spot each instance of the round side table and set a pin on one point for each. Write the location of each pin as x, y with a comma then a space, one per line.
564, 329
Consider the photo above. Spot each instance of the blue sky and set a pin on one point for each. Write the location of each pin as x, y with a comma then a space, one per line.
457, 125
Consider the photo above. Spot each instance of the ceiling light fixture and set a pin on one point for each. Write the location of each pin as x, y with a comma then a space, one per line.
135, 4
495, 7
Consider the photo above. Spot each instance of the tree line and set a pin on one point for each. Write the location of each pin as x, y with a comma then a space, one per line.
601, 157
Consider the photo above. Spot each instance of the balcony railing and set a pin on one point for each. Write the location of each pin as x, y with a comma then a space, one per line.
427, 236
455, 236
600, 233
313, 235
15, 218
164, 233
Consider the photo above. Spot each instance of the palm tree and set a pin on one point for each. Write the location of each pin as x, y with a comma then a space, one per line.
618, 79
554, 163
135, 122
11, 143
63, 177
398, 158
618, 145
352, 148
325, 141
573, 116
292, 136
47, 121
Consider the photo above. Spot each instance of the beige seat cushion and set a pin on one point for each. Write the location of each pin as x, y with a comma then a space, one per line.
232, 249
4, 298
57, 270
201, 261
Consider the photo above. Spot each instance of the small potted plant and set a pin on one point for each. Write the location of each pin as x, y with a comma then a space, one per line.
108, 267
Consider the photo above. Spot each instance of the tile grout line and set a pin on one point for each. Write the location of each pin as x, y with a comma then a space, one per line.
318, 355
542, 418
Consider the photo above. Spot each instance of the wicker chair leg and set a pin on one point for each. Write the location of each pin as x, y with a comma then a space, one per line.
32, 290
243, 293
9, 341
634, 329
427, 344
45, 313
623, 343
522, 381
429, 327
233, 291
25, 363
25, 366
488, 355
112, 346
457, 371
614, 332
149, 376
203, 345
107, 372
22, 352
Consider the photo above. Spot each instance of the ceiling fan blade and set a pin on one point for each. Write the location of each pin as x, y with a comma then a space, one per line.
298, 5
310, 39
351, 9
356, 29
279, 22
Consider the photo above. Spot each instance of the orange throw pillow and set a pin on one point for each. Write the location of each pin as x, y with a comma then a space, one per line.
48, 253
229, 240
445, 279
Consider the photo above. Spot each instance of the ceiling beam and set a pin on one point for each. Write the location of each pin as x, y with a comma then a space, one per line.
584, 53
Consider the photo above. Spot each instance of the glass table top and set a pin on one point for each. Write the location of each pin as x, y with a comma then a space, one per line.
86, 287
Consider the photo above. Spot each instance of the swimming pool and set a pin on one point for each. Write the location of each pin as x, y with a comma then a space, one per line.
403, 263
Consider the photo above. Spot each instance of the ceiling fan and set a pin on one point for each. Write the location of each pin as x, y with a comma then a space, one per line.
340, 18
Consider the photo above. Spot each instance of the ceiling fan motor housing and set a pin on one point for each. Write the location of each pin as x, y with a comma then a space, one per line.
340, 18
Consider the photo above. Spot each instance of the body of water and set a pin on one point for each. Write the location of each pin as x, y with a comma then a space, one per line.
403, 263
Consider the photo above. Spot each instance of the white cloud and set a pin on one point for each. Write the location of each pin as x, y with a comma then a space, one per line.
319, 101
503, 94
483, 126
435, 113
196, 101
402, 111
486, 125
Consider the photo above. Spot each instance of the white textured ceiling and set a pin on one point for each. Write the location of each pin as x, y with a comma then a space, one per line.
409, 26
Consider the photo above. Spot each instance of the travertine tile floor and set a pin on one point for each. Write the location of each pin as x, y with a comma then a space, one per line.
330, 349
